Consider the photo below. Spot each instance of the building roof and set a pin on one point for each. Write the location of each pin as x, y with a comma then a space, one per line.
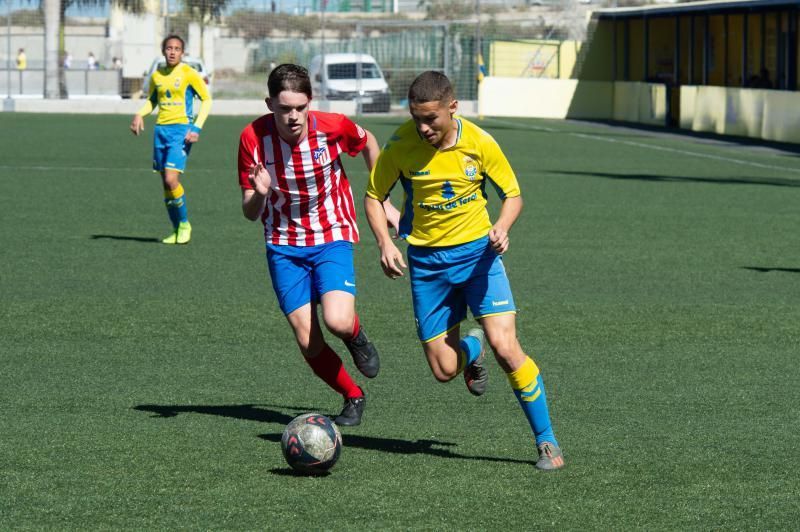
710, 7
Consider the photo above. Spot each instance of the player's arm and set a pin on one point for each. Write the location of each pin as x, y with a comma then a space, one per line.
370, 153
254, 199
201, 89
391, 258
497, 169
381, 180
509, 212
137, 124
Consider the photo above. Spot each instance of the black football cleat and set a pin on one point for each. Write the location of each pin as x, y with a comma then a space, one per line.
365, 356
352, 411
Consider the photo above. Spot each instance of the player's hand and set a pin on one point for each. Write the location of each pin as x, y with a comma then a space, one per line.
192, 137
392, 261
498, 238
137, 125
259, 179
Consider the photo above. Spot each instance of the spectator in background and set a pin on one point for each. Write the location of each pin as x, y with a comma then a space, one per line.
116, 63
67, 60
91, 62
22, 60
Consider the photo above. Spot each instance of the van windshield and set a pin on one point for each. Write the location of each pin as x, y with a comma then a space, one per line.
349, 70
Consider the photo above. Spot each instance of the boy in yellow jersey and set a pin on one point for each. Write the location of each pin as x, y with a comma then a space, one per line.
444, 164
173, 88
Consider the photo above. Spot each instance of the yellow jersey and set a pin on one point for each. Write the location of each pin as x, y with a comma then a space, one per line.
173, 91
444, 190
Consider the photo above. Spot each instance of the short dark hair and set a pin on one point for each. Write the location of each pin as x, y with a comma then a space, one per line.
171, 37
431, 86
288, 77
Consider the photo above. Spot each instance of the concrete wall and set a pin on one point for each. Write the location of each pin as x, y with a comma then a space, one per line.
757, 113
643, 103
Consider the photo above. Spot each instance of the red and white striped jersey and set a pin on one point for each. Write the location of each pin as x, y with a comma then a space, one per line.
311, 201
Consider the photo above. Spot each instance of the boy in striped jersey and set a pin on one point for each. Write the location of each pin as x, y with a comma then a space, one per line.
292, 179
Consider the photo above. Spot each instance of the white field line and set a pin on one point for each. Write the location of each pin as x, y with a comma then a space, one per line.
659, 148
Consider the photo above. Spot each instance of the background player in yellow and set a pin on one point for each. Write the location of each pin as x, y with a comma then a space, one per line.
173, 88
444, 164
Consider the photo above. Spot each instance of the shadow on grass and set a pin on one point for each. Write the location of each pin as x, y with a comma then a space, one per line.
249, 412
393, 445
123, 237
253, 412
289, 472
772, 182
762, 269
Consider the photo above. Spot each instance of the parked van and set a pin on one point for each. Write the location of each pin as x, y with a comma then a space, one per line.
350, 77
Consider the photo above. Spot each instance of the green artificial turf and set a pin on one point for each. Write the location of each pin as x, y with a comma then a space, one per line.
146, 386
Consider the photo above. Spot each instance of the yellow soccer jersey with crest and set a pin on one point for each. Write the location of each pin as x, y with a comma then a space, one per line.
173, 91
445, 190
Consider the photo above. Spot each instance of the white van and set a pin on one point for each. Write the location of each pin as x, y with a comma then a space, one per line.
350, 77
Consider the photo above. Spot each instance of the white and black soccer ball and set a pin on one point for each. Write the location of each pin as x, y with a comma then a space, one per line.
311, 443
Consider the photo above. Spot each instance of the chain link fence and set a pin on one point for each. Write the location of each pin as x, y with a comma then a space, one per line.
106, 50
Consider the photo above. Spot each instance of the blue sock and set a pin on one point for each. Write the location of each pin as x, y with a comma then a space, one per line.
528, 387
470, 351
175, 200
172, 212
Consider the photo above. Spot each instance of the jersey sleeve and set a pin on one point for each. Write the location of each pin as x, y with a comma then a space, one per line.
497, 169
152, 100
354, 137
382, 177
248, 156
201, 89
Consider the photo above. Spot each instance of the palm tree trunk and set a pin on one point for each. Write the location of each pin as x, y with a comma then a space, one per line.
52, 66
62, 77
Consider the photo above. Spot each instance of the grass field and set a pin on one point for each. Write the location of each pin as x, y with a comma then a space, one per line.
146, 386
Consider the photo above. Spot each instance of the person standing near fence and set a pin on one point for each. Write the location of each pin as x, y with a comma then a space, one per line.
22, 60
173, 88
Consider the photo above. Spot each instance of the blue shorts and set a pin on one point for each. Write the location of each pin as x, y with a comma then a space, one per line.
170, 150
301, 275
447, 280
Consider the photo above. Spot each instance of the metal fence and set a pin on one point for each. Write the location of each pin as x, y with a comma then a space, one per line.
240, 44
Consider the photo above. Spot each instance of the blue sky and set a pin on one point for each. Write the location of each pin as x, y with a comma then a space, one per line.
287, 6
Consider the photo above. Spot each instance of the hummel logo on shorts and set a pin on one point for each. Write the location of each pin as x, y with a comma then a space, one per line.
500, 303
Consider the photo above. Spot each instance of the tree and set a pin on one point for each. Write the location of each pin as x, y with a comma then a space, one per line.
204, 11
54, 19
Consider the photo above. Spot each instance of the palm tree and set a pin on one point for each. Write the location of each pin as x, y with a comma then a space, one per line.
55, 85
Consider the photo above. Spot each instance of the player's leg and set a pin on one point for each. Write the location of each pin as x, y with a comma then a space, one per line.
527, 383
334, 279
175, 201
292, 281
175, 153
492, 303
439, 308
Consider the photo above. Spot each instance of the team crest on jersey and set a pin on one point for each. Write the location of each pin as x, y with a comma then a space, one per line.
177, 83
470, 170
320, 155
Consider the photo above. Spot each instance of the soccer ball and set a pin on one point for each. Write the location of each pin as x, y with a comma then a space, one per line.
311, 443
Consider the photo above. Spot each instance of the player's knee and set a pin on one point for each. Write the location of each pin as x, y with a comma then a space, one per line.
340, 326
442, 370
443, 375
505, 346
